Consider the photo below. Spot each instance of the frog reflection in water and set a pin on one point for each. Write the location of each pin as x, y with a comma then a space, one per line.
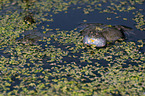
99, 35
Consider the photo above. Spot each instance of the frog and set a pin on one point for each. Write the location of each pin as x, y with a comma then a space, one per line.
101, 35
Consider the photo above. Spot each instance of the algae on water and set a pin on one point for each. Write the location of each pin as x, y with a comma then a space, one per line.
40, 59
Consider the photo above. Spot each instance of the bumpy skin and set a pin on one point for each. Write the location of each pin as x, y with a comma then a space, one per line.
112, 34
99, 34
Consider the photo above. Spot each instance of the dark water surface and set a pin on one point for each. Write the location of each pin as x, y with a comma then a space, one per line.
65, 56
72, 19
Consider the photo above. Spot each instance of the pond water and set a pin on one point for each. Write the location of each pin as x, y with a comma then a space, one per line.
50, 50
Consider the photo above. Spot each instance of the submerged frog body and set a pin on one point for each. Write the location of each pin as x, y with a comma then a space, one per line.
33, 36
99, 34
29, 19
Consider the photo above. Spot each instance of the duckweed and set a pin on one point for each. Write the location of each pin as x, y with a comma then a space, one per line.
59, 63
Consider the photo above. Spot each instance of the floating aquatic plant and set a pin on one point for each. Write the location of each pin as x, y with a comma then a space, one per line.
61, 64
